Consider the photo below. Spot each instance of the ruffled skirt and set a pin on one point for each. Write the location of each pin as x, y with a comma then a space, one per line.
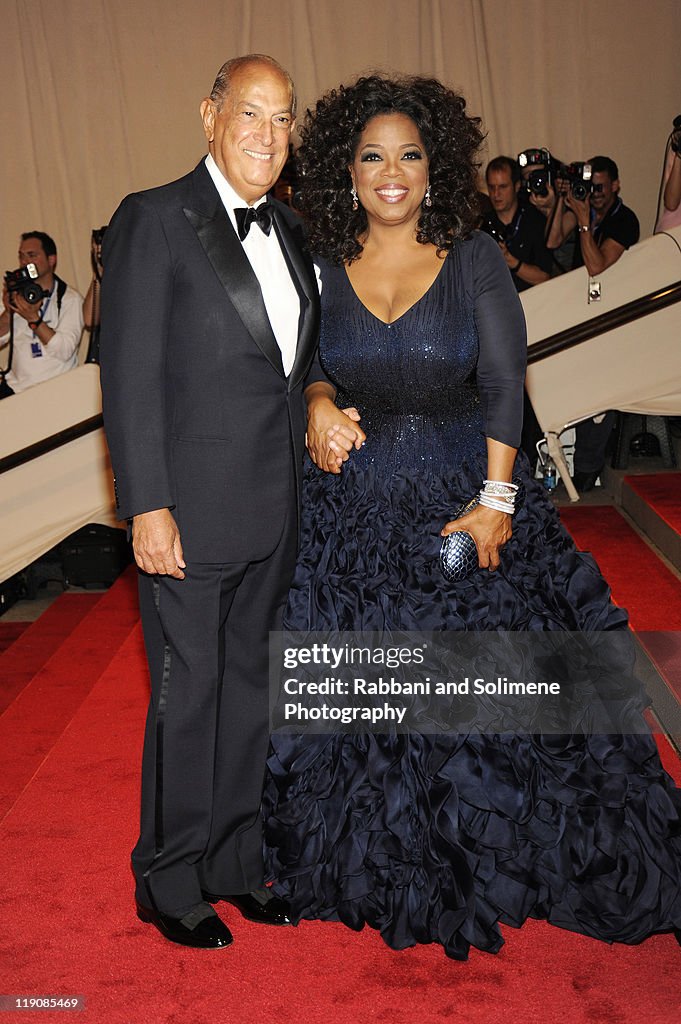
438, 838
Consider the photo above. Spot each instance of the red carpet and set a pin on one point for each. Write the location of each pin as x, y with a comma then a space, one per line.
639, 580
70, 745
68, 888
39, 641
9, 632
662, 491
44, 707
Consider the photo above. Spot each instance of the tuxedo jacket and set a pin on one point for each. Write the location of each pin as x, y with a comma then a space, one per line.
198, 413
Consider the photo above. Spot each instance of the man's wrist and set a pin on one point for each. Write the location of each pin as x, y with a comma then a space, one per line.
35, 324
516, 268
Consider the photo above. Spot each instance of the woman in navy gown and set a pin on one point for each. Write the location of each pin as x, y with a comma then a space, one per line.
438, 838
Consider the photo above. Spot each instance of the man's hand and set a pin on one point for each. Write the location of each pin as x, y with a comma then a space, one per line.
156, 544
332, 433
545, 204
511, 260
580, 207
489, 529
29, 311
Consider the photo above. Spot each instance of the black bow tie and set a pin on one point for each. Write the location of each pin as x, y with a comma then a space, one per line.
247, 215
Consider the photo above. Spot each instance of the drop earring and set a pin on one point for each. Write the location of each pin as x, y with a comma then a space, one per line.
355, 200
427, 201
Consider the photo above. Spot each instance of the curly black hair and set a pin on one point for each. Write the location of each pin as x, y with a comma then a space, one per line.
330, 135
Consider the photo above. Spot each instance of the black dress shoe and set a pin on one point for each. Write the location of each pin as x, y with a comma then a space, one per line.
259, 906
210, 933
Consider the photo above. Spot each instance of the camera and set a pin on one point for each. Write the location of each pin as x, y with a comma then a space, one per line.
675, 138
578, 178
490, 227
98, 234
542, 177
23, 282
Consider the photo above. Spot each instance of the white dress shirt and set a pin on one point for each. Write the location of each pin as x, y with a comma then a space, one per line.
33, 362
265, 256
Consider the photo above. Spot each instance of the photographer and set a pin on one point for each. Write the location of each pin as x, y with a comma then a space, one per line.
519, 230
606, 228
91, 302
538, 169
671, 197
42, 336
605, 225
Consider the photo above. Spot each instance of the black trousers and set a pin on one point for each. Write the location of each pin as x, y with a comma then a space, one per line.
207, 732
591, 443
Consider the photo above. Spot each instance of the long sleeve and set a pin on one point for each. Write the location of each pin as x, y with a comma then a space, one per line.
502, 340
136, 310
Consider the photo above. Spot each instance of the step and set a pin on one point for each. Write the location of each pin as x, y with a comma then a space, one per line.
654, 503
10, 633
36, 718
651, 593
38, 642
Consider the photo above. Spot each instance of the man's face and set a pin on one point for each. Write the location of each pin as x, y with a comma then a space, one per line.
603, 199
249, 135
31, 251
503, 193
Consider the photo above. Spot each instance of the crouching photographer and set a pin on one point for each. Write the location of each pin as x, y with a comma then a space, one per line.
518, 230
42, 318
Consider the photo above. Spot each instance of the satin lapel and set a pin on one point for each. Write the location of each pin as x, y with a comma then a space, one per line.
306, 285
229, 261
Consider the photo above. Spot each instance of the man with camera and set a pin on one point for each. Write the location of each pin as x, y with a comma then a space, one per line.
519, 229
605, 225
42, 319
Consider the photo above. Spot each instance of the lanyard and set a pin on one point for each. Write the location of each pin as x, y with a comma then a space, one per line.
44, 306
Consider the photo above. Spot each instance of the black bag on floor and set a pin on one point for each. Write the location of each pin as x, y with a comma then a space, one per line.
94, 556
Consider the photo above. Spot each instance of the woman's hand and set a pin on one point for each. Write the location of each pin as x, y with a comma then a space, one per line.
332, 433
489, 529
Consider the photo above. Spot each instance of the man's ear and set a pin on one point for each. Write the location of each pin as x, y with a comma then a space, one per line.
616, 185
208, 111
52, 261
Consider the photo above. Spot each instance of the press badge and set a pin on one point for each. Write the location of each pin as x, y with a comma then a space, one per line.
36, 349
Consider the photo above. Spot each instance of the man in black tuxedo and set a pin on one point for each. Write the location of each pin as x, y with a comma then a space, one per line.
209, 325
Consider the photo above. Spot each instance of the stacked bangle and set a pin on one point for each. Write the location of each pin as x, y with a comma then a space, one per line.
499, 495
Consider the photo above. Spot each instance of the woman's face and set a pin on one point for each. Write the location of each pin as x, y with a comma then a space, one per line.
390, 169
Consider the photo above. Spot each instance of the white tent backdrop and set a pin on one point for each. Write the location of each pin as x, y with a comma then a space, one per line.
100, 97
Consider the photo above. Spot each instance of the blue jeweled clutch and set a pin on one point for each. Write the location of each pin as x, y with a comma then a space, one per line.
458, 554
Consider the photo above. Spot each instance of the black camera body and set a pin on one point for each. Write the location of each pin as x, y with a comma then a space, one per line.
578, 175
542, 177
23, 282
491, 227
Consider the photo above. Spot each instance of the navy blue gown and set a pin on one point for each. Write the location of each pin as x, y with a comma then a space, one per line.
438, 838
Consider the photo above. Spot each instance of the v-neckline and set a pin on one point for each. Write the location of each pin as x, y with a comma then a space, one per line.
391, 323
